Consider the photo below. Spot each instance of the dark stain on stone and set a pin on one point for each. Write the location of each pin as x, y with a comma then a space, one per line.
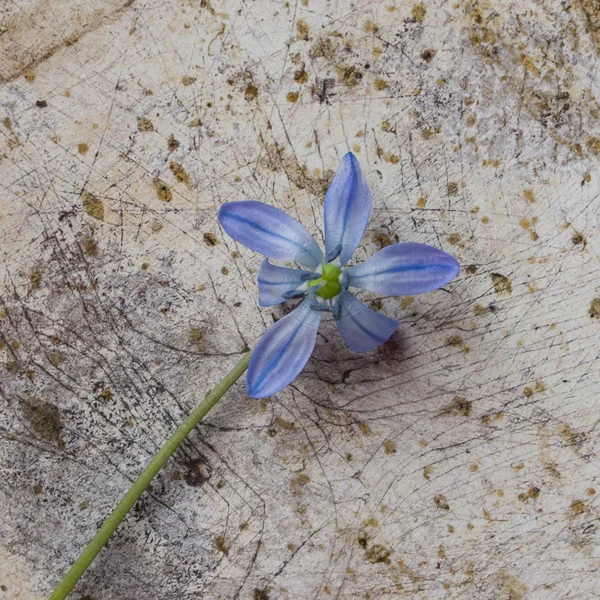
441, 502
172, 143
210, 239
595, 308
260, 594
458, 406
221, 544
427, 55
199, 472
382, 239
378, 554
578, 239
41, 103
452, 188
44, 419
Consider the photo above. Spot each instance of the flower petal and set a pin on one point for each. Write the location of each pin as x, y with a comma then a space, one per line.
274, 282
361, 327
282, 352
347, 210
404, 270
270, 231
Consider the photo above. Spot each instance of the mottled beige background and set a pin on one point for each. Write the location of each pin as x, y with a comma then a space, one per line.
460, 460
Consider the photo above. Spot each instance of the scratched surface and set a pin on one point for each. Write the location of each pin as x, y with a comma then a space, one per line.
460, 460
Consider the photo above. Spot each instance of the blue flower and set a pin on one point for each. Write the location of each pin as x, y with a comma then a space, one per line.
399, 270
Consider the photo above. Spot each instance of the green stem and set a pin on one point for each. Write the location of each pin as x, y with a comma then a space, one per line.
143, 481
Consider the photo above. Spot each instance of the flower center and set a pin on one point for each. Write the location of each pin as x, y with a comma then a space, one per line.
331, 277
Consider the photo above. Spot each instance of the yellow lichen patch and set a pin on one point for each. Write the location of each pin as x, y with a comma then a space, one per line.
382, 239
480, 310
172, 143
292, 96
196, 337
594, 311
90, 247
531, 494
221, 544
250, 93
370, 26
441, 502
348, 75
302, 30
452, 188
179, 172
301, 76
378, 554
299, 481
145, 124
419, 11
529, 195
454, 239
162, 190
457, 342
389, 447
577, 506
388, 156
365, 429
283, 424
491, 163
458, 406
188, 80
421, 202
380, 84
93, 206
427, 471
406, 302
82, 148
502, 284
593, 145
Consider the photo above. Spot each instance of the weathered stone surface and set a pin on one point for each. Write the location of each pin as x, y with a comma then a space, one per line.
457, 461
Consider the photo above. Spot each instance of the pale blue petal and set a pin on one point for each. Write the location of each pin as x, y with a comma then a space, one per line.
347, 210
270, 231
274, 282
361, 327
282, 352
404, 270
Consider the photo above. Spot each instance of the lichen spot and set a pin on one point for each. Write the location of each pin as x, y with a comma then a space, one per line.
162, 190
93, 206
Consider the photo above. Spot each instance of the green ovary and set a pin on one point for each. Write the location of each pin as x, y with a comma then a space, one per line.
331, 278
